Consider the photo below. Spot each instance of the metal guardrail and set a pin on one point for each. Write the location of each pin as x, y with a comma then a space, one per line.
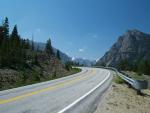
136, 84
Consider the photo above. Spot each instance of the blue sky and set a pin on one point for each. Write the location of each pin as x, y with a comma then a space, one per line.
80, 28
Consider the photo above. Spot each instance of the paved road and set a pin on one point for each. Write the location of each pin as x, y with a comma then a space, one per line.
52, 96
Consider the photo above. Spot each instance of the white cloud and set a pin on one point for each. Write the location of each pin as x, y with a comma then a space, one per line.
73, 58
81, 50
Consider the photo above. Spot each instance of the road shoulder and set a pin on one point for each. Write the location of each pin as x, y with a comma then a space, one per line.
121, 99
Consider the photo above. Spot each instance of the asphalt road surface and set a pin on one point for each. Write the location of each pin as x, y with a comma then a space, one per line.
53, 96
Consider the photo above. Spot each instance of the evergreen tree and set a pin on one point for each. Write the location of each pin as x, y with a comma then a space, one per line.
48, 48
32, 44
144, 67
6, 28
27, 44
1, 39
13, 49
1, 35
36, 59
58, 54
16, 50
4, 43
68, 66
38, 48
123, 65
14, 35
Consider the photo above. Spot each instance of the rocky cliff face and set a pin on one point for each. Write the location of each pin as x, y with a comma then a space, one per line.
134, 45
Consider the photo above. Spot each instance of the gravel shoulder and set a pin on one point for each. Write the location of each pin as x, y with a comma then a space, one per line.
121, 99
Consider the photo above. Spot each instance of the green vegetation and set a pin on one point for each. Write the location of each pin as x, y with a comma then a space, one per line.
118, 80
77, 64
25, 78
58, 55
68, 66
144, 67
72, 71
134, 75
21, 63
48, 48
141, 66
13, 49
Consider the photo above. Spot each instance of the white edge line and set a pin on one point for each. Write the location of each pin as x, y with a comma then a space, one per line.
84, 96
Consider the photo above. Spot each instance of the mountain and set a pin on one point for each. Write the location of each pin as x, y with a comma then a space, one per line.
41, 46
65, 57
132, 46
84, 62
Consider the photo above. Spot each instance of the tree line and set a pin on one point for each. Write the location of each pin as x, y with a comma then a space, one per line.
141, 66
14, 49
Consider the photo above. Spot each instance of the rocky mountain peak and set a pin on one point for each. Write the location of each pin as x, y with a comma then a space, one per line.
133, 45
134, 32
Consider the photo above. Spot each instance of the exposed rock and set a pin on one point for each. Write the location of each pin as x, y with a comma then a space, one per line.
132, 46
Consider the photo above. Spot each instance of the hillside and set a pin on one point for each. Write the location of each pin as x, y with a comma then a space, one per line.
64, 57
22, 63
133, 46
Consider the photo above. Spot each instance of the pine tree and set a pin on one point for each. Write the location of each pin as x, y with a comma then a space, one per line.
123, 65
48, 48
144, 67
1, 34
1, 39
32, 43
16, 50
15, 40
14, 35
38, 48
27, 44
58, 55
4, 43
6, 28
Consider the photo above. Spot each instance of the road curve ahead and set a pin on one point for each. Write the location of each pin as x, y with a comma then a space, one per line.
57, 96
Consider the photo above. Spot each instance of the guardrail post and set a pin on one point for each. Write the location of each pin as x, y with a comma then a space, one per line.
139, 92
129, 85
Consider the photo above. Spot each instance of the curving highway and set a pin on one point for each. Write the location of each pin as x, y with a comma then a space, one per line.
75, 93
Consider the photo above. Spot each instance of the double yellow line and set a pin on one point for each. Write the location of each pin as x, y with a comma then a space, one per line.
68, 82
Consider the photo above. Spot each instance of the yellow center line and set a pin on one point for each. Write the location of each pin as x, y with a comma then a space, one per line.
47, 89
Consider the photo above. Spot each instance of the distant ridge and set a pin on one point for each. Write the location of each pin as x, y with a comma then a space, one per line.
41, 46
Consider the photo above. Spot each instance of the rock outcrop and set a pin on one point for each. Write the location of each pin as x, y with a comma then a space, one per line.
133, 46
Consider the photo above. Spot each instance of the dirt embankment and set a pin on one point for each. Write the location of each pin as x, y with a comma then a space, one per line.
121, 99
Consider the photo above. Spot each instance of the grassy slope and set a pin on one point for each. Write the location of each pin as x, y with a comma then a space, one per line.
36, 78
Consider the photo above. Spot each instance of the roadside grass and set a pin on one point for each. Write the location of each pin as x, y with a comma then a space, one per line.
72, 71
135, 75
118, 79
36, 77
